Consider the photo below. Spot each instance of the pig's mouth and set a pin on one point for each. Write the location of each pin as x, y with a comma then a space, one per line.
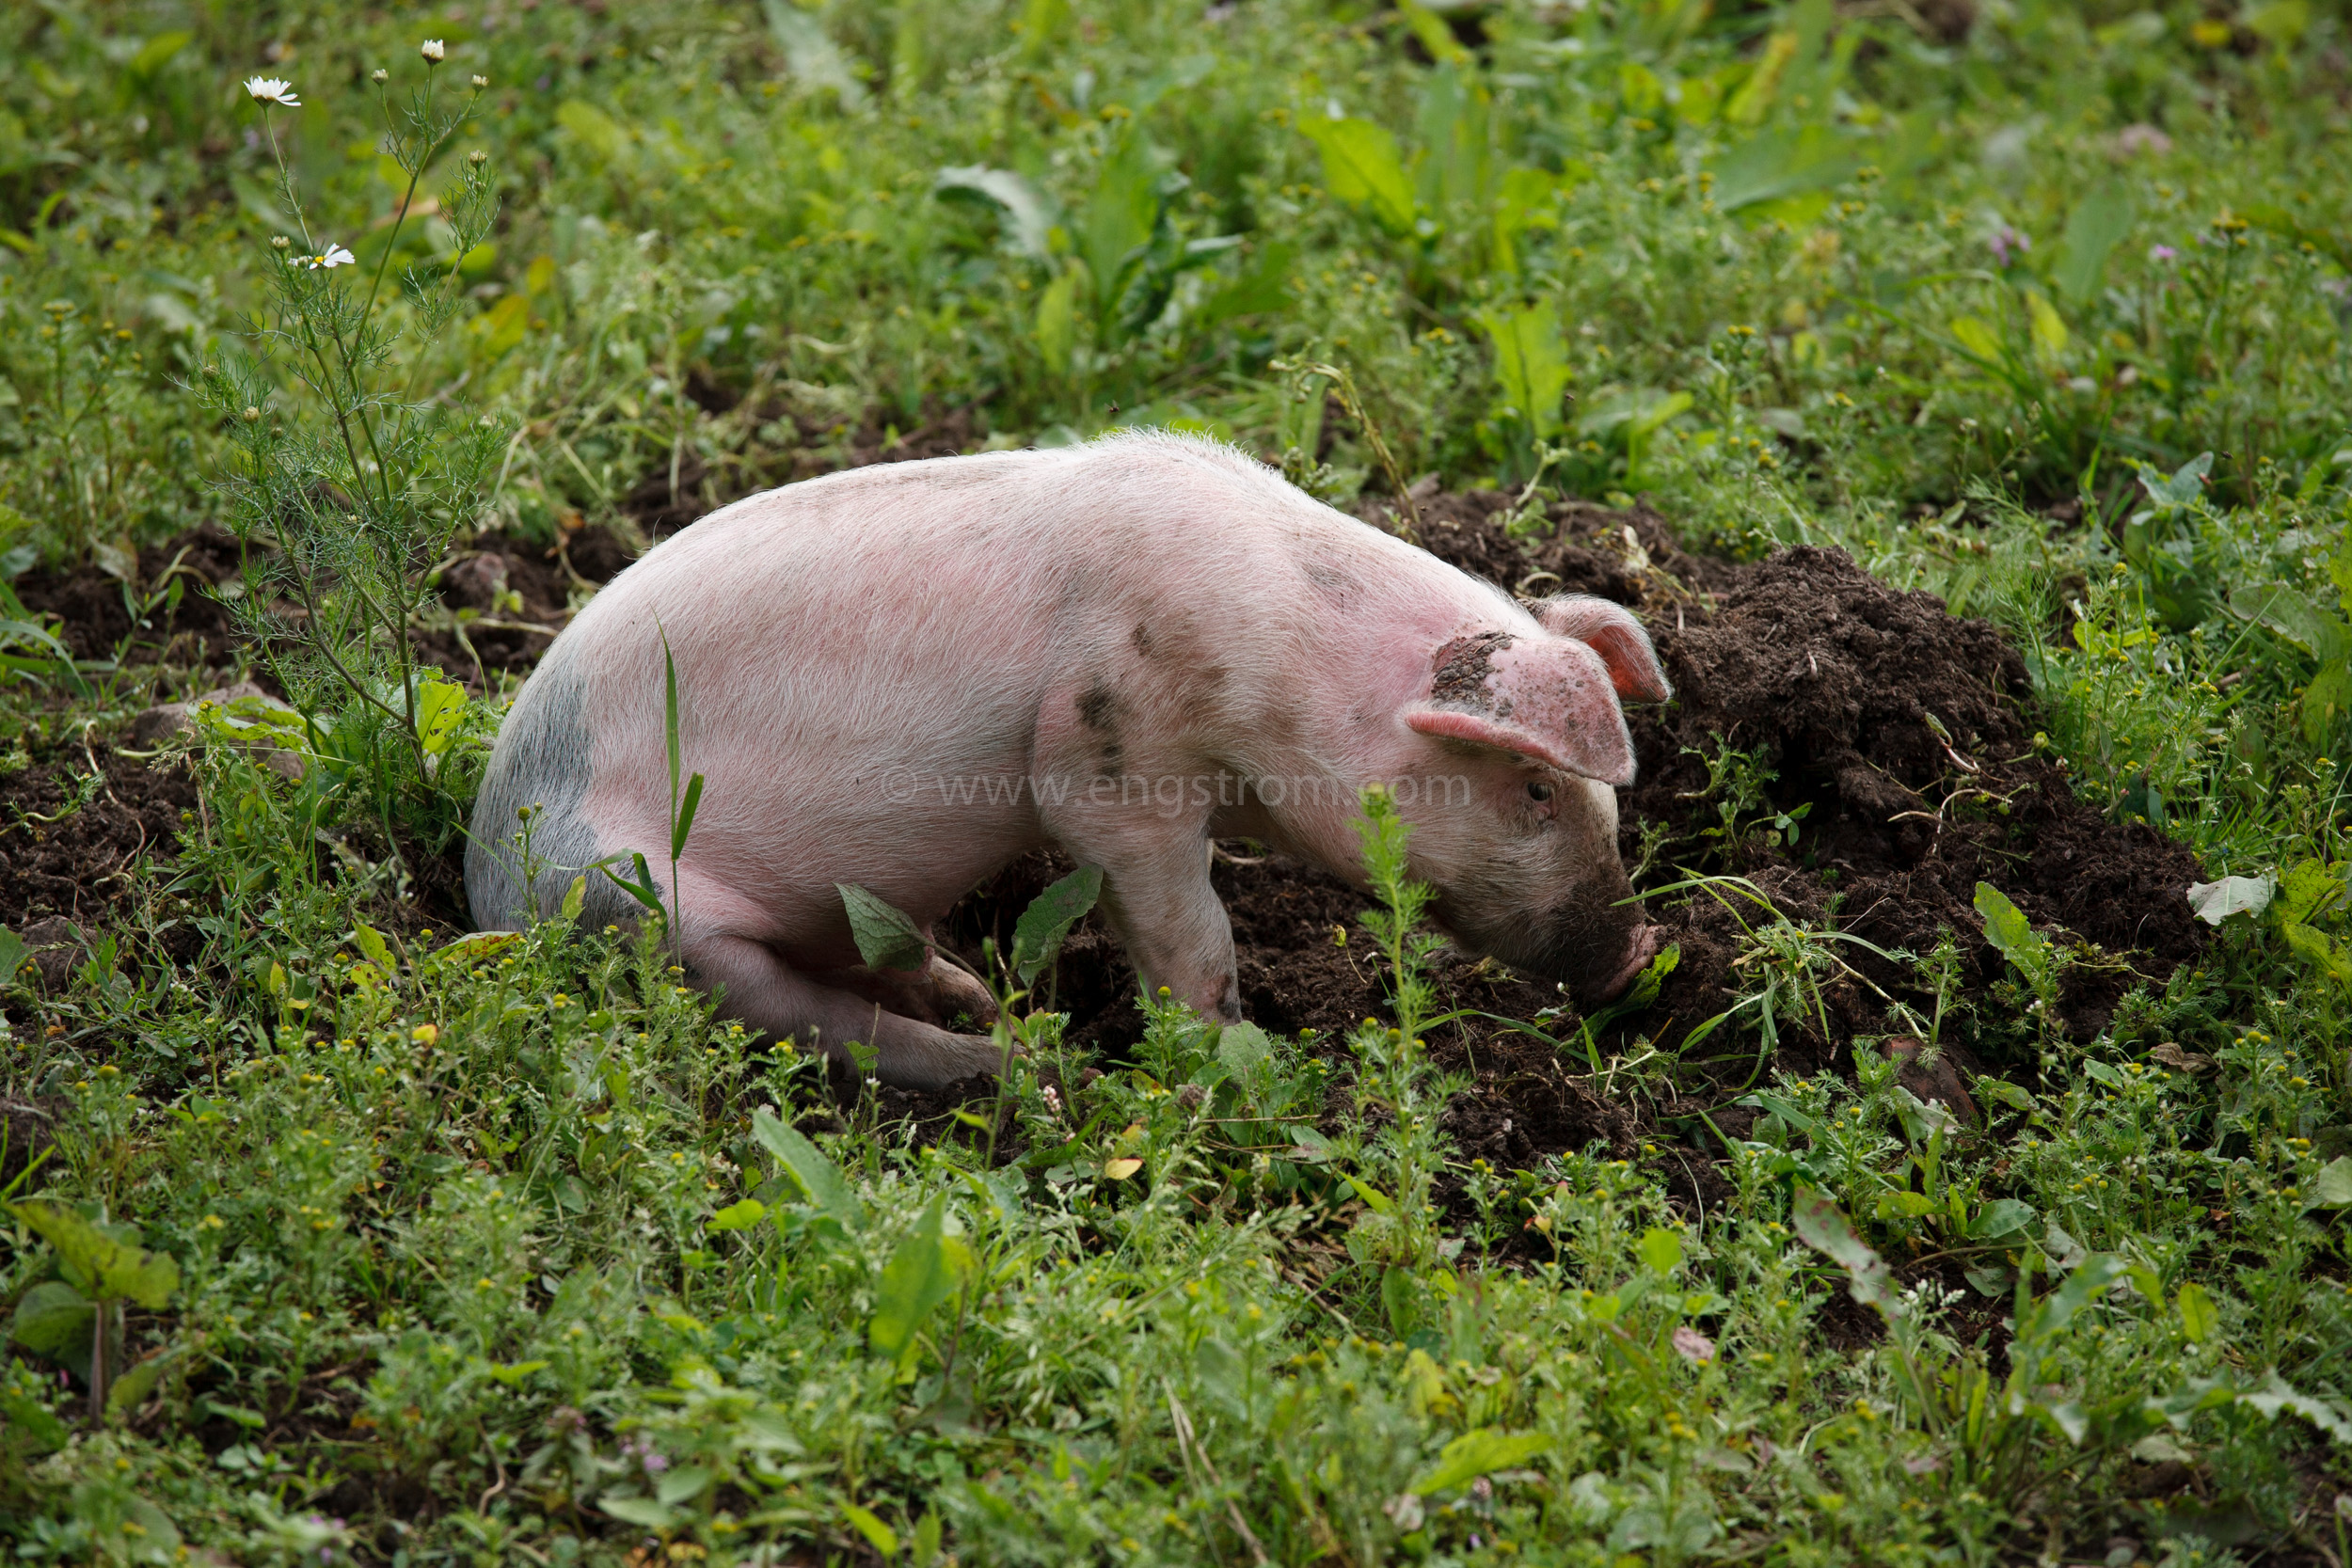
1569, 955
1638, 953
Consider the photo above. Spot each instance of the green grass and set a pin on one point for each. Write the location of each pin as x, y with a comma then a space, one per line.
509, 1253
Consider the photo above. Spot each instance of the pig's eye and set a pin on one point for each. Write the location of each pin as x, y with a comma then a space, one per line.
1540, 791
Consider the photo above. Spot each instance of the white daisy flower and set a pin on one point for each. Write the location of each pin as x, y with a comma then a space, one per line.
269, 89
431, 49
333, 256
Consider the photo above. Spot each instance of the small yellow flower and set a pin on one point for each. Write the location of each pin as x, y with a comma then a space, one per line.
425, 1033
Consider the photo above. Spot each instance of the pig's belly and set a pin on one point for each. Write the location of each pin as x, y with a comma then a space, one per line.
773, 851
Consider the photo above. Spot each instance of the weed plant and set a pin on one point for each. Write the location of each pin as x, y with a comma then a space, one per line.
341, 1240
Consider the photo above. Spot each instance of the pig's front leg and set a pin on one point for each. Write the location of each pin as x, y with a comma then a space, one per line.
764, 993
1158, 898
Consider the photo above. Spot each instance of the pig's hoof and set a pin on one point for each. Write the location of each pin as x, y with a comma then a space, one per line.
935, 1064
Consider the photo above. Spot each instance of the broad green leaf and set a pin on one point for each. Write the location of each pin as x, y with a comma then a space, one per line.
1400, 1301
818, 1177
1900, 1203
1117, 225
2009, 932
1527, 198
1977, 338
512, 1373
595, 130
878, 1535
1755, 94
1027, 212
1241, 1047
1045, 924
2325, 701
2068, 1418
372, 946
2049, 328
51, 1316
1434, 36
2313, 889
2316, 948
2201, 1320
132, 1389
13, 955
2275, 1396
441, 711
1662, 1249
1266, 286
2090, 1279
2333, 1187
1361, 166
2098, 224
2002, 1218
737, 1216
1476, 1453
2183, 487
923, 1271
115, 1270
155, 54
2280, 22
886, 937
1379, 1202
27, 1427
1666, 405
642, 1512
574, 897
1826, 1229
1531, 366
2009, 1094
683, 1484
1781, 163
1639, 89
2215, 902
1058, 322
472, 949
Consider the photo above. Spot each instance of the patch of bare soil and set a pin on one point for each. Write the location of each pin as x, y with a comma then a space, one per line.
103, 617
72, 836
508, 597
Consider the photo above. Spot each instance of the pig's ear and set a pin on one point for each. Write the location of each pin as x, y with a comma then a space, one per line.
1612, 632
1549, 699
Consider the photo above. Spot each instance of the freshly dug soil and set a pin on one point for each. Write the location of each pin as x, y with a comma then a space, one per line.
97, 620
78, 868
501, 637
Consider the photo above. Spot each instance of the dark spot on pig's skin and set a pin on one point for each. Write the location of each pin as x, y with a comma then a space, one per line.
1463, 666
1143, 640
1098, 707
1330, 581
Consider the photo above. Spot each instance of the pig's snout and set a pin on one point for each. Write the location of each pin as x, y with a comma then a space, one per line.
1639, 951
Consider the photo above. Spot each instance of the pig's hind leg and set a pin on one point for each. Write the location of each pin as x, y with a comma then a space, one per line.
764, 992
